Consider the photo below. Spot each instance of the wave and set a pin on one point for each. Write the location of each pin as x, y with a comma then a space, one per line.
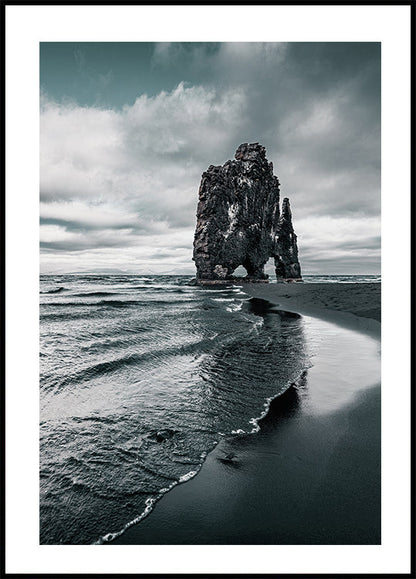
129, 303
234, 307
109, 303
115, 303
62, 317
111, 366
111, 536
188, 476
212, 344
95, 294
256, 426
150, 504
255, 422
54, 291
101, 419
296, 384
154, 289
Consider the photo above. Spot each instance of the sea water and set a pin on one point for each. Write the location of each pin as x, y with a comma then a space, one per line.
140, 377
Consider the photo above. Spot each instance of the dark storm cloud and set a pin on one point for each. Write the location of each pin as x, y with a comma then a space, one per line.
136, 169
316, 108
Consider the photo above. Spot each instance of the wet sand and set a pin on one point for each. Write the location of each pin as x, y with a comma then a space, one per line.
311, 475
350, 305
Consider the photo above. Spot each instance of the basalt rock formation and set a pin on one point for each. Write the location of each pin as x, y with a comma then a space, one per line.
239, 220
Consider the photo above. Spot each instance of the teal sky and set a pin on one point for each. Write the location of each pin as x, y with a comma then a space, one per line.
127, 129
113, 74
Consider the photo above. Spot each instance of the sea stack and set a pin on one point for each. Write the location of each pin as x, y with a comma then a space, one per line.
239, 221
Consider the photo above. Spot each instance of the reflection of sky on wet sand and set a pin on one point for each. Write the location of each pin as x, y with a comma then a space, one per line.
344, 362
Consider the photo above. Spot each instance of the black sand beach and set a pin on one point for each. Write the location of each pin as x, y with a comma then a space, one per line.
360, 299
350, 305
310, 475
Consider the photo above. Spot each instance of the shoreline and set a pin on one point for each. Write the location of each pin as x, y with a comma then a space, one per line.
355, 306
291, 450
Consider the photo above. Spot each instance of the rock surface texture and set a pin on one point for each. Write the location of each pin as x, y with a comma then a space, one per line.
239, 220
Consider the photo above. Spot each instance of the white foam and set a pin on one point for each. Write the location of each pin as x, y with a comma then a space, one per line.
234, 307
257, 324
188, 476
111, 536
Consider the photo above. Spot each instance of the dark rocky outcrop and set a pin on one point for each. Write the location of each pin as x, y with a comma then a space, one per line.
286, 247
239, 220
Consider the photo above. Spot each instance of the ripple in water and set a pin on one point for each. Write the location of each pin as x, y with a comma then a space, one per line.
134, 396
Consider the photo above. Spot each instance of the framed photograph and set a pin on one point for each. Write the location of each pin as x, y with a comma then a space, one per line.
208, 289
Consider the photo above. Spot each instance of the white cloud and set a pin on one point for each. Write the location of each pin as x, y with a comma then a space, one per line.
88, 215
129, 178
340, 240
180, 121
55, 233
339, 230
151, 147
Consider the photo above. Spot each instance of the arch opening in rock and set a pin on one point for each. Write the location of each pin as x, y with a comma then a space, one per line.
269, 268
240, 271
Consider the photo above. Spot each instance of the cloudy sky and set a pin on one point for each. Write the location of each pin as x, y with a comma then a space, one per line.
127, 129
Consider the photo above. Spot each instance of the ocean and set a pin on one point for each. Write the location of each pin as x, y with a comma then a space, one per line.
140, 378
